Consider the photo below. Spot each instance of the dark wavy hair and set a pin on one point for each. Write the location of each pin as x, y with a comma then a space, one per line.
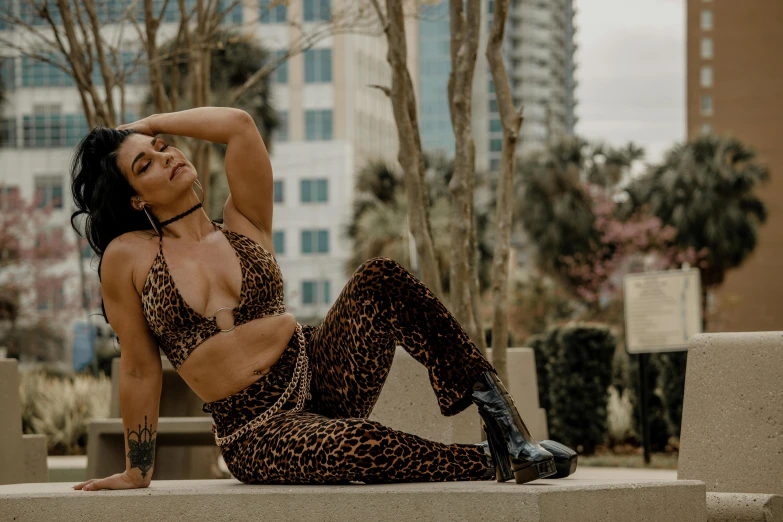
101, 192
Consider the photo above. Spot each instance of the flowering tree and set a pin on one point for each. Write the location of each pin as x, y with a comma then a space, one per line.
32, 279
623, 246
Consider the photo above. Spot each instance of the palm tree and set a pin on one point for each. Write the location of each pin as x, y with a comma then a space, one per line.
705, 190
379, 225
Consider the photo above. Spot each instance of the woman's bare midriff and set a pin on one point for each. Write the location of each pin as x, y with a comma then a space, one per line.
226, 363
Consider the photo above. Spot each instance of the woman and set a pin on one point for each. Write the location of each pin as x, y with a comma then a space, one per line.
289, 401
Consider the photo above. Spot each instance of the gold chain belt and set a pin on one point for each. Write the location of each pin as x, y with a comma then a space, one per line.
300, 379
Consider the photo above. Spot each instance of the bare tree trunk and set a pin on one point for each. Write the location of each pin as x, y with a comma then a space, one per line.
403, 100
465, 28
511, 120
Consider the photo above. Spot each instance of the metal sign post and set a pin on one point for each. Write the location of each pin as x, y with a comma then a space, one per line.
662, 313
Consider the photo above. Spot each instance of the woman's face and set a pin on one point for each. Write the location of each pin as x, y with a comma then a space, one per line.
149, 162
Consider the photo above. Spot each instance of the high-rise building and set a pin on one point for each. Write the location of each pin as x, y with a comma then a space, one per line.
735, 77
538, 52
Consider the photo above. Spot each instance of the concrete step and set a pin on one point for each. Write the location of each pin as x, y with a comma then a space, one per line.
584, 497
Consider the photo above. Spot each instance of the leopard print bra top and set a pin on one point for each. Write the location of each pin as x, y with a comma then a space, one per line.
179, 329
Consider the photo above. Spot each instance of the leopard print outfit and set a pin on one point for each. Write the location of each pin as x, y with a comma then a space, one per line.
331, 440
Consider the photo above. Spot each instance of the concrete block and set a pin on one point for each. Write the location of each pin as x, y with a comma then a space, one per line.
176, 400
523, 386
744, 507
106, 448
35, 458
732, 420
17, 451
407, 403
565, 500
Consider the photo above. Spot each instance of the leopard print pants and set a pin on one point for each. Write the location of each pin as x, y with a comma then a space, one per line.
351, 351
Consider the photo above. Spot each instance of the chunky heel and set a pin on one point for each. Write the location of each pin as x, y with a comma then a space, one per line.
503, 471
535, 471
516, 452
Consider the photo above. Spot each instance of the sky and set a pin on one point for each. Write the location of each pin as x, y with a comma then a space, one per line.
631, 72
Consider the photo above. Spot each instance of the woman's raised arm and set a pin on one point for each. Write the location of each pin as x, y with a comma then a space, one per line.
248, 167
141, 373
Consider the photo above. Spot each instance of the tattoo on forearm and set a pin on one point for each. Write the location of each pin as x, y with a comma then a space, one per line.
142, 449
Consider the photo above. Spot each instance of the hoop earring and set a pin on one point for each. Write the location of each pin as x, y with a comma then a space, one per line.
144, 208
201, 189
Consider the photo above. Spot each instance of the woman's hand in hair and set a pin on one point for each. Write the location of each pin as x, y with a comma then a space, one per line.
143, 126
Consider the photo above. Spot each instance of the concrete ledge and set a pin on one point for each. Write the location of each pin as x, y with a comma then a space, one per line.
35, 457
572, 499
106, 448
744, 507
732, 413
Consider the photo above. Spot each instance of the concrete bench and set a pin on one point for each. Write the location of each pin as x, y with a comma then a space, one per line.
107, 441
582, 497
407, 401
23, 456
732, 424
186, 447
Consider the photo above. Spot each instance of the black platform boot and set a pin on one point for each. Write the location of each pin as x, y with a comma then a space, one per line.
513, 449
565, 458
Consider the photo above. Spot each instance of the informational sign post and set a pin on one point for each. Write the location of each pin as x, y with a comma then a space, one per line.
662, 312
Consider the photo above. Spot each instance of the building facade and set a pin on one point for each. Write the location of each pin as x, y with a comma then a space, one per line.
734, 81
538, 52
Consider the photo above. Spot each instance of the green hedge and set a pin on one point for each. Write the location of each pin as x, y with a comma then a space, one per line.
574, 366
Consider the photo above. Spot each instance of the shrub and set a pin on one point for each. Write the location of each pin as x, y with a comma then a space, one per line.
62, 408
575, 372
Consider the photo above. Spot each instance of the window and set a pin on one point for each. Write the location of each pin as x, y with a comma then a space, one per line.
48, 128
9, 197
50, 296
314, 190
8, 133
706, 128
706, 105
315, 241
317, 10
706, 48
281, 73
278, 241
494, 165
495, 125
278, 192
496, 145
318, 66
281, 132
50, 243
318, 125
491, 86
276, 15
706, 76
49, 190
8, 72
706, 19
493, 105
232, 17
315, 292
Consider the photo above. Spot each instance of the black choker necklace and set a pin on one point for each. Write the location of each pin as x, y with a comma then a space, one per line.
172, 220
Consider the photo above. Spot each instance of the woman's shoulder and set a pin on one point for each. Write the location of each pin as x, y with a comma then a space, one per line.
130, 251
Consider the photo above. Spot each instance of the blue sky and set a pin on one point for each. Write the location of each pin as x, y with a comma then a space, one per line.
631, 72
